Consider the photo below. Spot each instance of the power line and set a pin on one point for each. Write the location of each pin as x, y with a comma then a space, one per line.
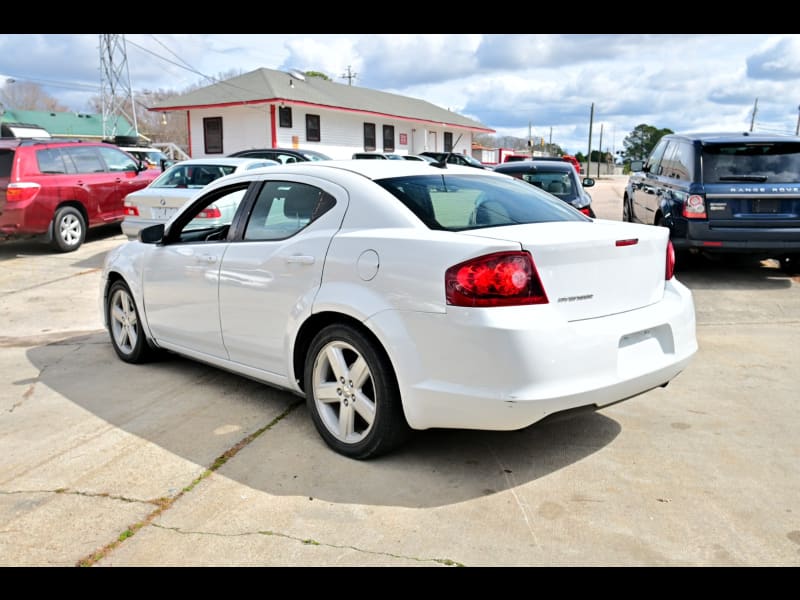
349, 76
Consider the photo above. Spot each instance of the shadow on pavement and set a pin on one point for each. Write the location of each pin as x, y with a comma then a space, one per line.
198, 413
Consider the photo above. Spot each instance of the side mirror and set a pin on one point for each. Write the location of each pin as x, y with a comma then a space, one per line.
637, 165
152, 234
166, 164
588, 182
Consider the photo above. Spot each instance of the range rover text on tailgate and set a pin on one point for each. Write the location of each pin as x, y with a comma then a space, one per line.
722, 192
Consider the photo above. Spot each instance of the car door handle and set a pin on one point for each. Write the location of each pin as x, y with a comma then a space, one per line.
300, 259
208, 258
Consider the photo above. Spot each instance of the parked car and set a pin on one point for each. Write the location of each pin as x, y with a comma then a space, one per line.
58, 188
282, 155
418, 157
556, 177
395, 299
152, 158
722, 193
163, 197
454, 158
573, 161
377, 155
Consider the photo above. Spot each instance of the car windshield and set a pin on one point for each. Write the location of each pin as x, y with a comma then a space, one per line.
777, 162
464, 202
558, 183
191, 176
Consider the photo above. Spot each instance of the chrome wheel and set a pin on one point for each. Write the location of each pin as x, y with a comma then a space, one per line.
70, 229
344, 394
124, 321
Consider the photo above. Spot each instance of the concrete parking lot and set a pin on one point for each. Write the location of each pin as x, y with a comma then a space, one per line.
178, 464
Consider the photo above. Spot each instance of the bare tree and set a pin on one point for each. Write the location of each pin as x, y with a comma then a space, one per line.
24, 95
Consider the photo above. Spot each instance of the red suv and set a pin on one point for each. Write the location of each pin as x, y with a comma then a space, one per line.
59, 188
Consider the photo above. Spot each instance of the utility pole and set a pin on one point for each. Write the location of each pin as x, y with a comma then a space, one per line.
753, 119
797, 129
589, 155
349, 76
599, 156
530, 140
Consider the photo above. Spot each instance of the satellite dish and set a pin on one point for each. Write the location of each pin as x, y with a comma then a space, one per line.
297, 74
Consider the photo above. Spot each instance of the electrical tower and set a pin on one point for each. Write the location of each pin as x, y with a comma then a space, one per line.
349, 76
115, 85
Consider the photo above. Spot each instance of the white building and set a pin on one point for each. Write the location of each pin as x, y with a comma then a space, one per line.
266, 108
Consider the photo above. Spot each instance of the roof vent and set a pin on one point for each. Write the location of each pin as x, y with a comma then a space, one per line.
297, 74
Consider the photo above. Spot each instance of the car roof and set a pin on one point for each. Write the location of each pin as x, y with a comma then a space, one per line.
222, 160
370, 169
521, 166
733, 136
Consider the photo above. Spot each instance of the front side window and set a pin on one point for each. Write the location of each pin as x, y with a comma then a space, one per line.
117, 160
463, 202
191, 176
653, 165
283, 208
369, 137
313, 133
388, 138
209, 219
212, 135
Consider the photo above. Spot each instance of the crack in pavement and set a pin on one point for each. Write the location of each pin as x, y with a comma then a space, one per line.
51, 338
48, 282
166, 503
69, 492
311, 542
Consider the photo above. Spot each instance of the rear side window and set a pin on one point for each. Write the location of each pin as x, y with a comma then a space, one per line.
463, 202
51, 161
770, 162
6, 160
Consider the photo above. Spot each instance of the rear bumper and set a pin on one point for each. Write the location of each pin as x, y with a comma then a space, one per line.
702, 235
511, 367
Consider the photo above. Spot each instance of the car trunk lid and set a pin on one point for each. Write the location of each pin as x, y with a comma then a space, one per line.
593, 269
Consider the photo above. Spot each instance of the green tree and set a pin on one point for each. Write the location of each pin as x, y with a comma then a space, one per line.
641, 141
317, 74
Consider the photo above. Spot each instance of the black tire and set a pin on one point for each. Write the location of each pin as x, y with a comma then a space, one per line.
69, 229
790, 264
626, 210
358, 419
124, 327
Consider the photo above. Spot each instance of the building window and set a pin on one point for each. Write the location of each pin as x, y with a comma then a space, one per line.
212, 135
285, 116
448, 141
369, 136
388, 138
312, 128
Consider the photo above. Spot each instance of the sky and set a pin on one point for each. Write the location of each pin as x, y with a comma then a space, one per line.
553, 86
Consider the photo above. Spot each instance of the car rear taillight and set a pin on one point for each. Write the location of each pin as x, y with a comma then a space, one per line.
210, 212
499, 279
20, 192
670, 260
129, 210
694, 207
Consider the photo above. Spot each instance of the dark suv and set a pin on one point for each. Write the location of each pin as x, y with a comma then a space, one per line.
58, 188
722, 193
282, 155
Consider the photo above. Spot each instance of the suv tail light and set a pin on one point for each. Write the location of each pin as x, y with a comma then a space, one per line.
670, 260
20, 192
694, 207
498, 279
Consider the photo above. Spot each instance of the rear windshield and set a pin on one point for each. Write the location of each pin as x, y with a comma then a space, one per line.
6, 158
191, 176
776, 162
463, 202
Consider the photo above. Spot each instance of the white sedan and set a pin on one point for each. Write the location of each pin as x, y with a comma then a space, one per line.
400, 295
161, 199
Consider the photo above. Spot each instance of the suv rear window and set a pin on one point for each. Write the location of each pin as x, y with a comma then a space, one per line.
6, 160
777, 162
